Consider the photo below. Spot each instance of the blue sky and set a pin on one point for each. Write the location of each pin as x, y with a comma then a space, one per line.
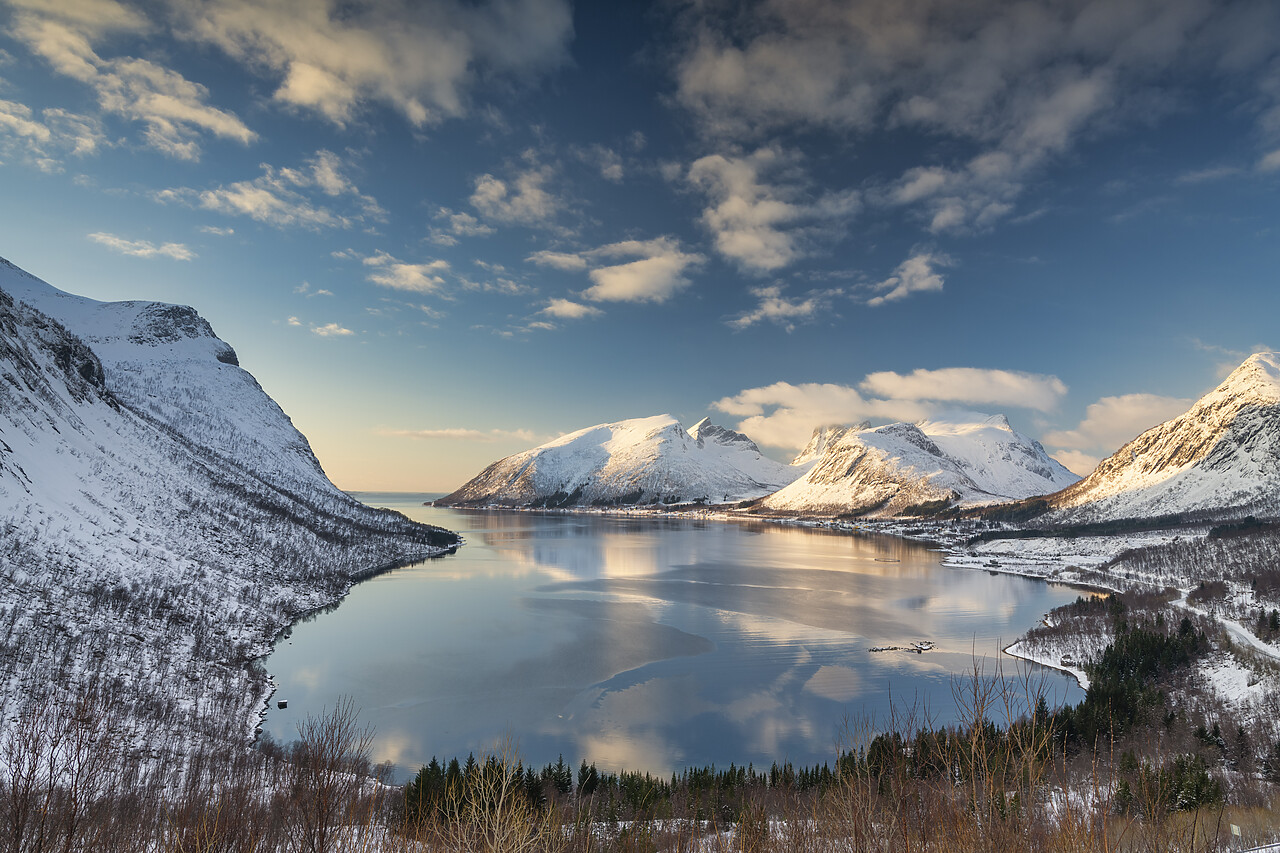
440, 232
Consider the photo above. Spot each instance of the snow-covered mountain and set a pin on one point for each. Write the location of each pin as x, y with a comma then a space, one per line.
822, 438
643, 460
160, 517
1220, 457
901, 468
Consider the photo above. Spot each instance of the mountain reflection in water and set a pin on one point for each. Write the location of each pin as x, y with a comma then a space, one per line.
650, 644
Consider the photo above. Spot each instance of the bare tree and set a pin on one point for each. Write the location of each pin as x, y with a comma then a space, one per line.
328, 776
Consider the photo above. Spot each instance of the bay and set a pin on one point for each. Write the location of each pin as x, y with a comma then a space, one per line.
652, 644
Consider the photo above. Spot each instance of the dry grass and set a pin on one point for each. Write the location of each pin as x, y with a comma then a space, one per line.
995, 782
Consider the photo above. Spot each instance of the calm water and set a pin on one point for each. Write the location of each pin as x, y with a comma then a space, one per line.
647, 644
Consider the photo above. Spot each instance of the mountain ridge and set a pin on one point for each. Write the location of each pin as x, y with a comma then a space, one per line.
1221, 455
955, 459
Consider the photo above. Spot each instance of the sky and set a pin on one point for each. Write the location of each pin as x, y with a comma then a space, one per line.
439, 232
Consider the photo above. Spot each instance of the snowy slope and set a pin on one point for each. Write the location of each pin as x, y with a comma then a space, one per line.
1220, 457
966, 458
996, 457
643, 460
160, 518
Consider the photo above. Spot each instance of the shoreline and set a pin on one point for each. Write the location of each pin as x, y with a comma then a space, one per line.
263, 703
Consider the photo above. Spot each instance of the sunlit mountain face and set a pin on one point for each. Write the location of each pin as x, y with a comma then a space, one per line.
442, 233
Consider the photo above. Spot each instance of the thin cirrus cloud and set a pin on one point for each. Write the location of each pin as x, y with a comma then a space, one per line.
946, 69
785, 415
142, 248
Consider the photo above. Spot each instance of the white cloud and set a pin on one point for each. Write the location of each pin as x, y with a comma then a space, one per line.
173, 109
142, 248
1081, 464
216, 231
463, 434
459, 224
45, 139
399, 275
785, 415
1212, 173
331, 330
655, 272
774, 307
523, 200
289, 197
1021, 83
914, 275
567, 309
294, 321
970, 385
655, 276
420, 57
1112, 421
756, 224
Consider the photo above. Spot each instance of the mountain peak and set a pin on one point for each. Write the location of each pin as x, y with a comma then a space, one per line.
1221, 456
643, 460
697, 428
1258, 376
964, 457
704, 431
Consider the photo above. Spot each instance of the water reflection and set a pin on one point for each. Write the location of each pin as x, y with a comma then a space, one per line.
646, 644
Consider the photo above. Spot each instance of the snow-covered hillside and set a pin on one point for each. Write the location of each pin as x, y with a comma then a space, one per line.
643, 460
966, 458
1221, 457
160, 517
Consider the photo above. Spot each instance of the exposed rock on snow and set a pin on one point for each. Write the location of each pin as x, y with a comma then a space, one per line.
822, 438
966, 458
644, 460
160, 517
1221, 457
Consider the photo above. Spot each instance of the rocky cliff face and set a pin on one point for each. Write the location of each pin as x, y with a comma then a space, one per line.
1221, 457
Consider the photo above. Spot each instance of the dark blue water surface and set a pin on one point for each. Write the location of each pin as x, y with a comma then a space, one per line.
650, 644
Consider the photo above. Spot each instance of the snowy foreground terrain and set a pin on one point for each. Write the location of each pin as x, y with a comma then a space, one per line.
161, 520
